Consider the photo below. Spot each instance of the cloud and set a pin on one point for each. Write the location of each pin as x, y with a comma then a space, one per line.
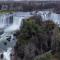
29, 0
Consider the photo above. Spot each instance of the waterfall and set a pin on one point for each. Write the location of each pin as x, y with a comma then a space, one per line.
13, 23
2, 20
7, 54
10, 23
5, 21
49, 15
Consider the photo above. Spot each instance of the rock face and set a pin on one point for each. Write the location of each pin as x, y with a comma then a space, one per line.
35, 38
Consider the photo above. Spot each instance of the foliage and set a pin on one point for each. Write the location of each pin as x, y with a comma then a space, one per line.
6, 11
43, 35
28, 29
47, 57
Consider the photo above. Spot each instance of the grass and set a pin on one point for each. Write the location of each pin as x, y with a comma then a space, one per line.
6, 11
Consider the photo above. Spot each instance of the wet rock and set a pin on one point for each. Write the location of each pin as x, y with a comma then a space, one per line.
5, 43
1, 56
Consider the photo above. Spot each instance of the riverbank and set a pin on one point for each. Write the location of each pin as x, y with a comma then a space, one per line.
7, 11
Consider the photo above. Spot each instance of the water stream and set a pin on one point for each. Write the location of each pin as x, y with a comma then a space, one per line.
9, 23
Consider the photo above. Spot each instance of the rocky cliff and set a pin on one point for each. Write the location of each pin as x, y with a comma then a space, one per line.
35, 38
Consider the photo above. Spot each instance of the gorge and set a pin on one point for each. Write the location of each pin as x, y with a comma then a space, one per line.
12, 22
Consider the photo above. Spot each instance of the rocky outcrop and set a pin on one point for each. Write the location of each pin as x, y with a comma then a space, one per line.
35, 38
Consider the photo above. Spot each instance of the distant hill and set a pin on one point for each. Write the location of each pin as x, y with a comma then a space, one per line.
29, 5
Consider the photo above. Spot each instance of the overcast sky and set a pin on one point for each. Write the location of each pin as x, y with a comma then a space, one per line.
29, 0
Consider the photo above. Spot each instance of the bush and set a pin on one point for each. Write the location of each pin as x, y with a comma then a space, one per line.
45, 57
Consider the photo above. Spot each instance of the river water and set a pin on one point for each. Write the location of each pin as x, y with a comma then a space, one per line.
9, 23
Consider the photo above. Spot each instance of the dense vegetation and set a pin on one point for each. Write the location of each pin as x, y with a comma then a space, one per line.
30, 6
35, 38
6, 11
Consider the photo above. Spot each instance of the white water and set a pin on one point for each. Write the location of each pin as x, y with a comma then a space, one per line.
9, 28
49, 15
7, 54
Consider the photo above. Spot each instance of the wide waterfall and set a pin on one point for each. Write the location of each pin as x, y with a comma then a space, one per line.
49, 15
5, 21
9, 23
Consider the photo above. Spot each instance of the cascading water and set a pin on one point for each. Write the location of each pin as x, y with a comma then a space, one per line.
7, 54
9, 24
49, 15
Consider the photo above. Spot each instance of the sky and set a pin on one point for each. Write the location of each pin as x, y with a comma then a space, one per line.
29, 0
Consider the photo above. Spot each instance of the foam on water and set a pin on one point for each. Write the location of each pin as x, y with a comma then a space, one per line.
49, 15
